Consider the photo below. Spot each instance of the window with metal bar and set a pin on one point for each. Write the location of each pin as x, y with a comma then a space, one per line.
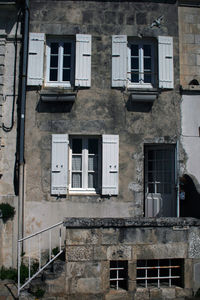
119, 275
160, 273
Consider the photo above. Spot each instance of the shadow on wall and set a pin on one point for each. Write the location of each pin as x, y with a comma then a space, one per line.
190, 206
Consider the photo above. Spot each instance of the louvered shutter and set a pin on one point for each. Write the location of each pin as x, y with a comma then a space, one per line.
35, 58
59, 164
165, 64
119, 60
110, 164
83, 60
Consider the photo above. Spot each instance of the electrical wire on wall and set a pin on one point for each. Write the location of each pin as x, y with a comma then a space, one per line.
5, 128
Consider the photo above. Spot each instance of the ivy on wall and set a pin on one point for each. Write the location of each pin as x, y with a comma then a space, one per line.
6, 211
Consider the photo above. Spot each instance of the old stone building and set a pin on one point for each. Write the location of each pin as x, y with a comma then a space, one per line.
104, 148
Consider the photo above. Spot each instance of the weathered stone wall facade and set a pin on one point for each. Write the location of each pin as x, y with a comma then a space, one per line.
99, 109
92, 243
8, 40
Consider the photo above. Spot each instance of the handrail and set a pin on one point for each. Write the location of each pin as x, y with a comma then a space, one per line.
50, 258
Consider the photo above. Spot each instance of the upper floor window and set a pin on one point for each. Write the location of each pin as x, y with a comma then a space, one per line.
60, 63
68, 60
141, 63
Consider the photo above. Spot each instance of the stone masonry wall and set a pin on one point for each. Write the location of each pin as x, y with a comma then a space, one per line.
92, 243
189, 33
99, 109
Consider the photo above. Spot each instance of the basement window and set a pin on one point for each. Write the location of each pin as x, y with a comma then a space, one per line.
119, 275
160, 273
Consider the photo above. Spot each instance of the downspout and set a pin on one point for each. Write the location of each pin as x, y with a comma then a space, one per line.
22, 121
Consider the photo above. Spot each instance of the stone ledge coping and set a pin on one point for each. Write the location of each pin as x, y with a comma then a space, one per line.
129, 222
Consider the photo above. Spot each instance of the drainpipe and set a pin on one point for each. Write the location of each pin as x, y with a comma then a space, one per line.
22, 121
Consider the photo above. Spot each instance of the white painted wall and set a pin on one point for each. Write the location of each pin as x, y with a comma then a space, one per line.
190, 123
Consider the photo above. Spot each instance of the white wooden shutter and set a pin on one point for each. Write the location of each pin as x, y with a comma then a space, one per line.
83, 60
110, 164
35, 58
165, 64
119, 60
59, 164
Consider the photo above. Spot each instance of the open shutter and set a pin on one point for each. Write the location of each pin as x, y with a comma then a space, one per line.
165, 64
83, 60
35, 58
59, 164
119, 60
110, 164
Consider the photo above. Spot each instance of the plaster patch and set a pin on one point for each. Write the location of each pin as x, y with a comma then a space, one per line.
135, 187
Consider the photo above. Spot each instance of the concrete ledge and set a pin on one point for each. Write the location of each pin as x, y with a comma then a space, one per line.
178, 223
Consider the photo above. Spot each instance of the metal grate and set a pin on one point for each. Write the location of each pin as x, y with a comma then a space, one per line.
119, 275
160, 273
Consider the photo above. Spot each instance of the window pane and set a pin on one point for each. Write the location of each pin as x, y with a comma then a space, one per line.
67, 48
147, 78
134, 63
147, 50
92, 162
147, 63
77, 163
53, 75
92, 180
54, 61
66, 75
93, 146
134, 50
66, 61
76, 180
134, 77
54, 48
77, 145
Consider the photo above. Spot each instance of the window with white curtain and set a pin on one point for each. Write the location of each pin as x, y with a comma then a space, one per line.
85, 158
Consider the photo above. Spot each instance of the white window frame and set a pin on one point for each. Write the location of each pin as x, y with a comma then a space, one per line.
141, 43
59, 82
85, 189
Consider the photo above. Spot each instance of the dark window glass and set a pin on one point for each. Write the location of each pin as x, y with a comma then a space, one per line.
54, 48
54, 61
93, 146
53, 75
147, 50
66, 75
134, 50
77, 145
66, 61
67, 48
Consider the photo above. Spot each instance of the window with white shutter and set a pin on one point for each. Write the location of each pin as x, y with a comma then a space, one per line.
165, 65
142, 62
110, 164
83, 60
119, 60
35, 59
68, 60
59, 164
93, 164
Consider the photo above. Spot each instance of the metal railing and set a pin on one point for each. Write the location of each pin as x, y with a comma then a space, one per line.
35, 253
